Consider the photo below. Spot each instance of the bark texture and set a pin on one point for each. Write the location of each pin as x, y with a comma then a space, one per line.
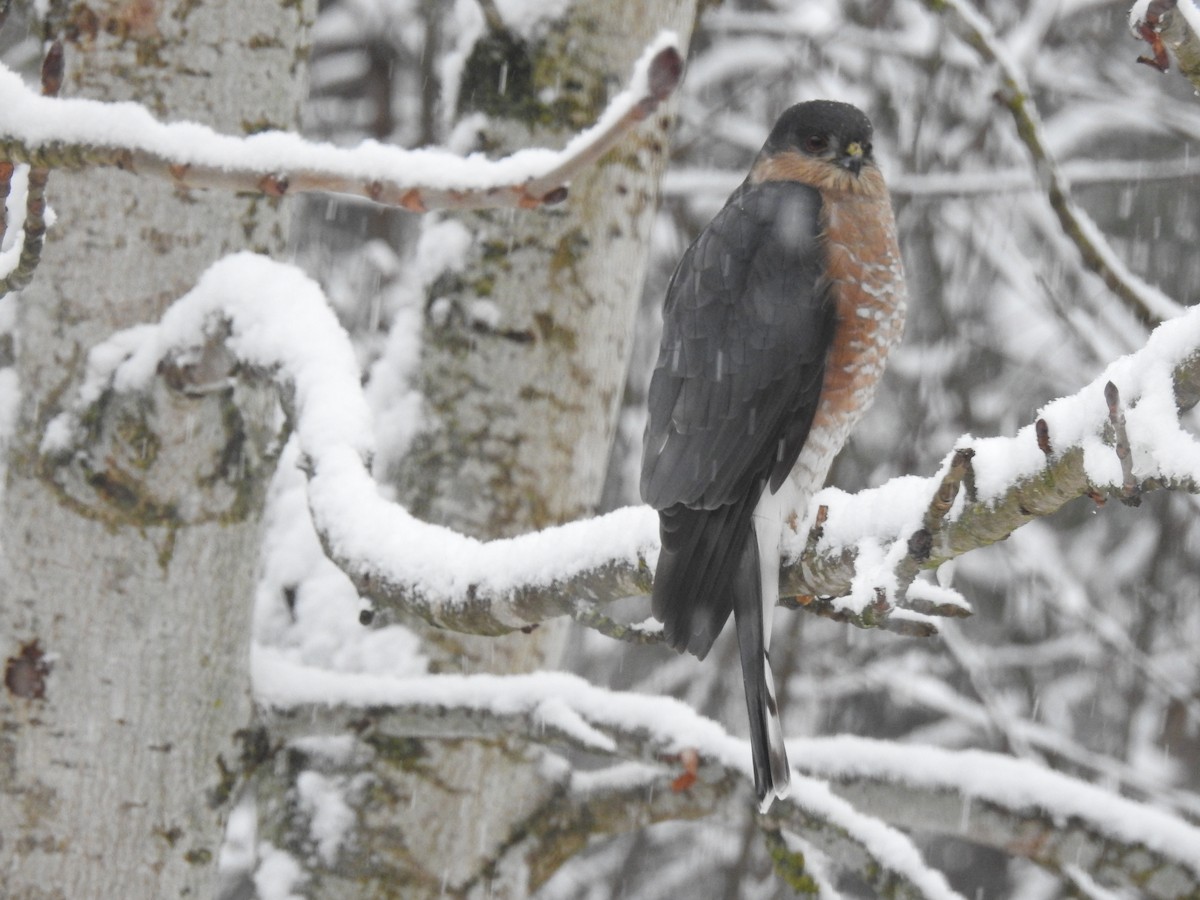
129, 560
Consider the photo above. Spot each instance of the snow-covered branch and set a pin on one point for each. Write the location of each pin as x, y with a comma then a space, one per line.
1169, 25
865, 549
1013, 805
566, 712
862, 550
1146, 300
81, 134
1070, 451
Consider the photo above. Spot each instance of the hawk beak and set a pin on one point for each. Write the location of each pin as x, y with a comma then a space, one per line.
852, 157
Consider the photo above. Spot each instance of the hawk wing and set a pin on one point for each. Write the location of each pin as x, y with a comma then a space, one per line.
747, 324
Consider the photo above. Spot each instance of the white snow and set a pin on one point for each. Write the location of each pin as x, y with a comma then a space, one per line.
1137, 12
1190, 11
279, 875
13, 238
1011, 783
331, 820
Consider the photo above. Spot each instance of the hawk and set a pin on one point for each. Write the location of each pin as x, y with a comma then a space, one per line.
776, 327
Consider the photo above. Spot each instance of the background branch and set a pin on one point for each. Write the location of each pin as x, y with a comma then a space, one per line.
1149, 303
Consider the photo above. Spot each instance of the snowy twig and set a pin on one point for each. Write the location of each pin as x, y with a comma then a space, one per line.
1131, 491
620, 799
1148, 302
876, 615
590, 616
1013, 805
1001, 717
35, 192
81, 134
920, 544
566, 712
1173, 25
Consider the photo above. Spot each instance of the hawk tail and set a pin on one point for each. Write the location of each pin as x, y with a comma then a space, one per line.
697, 564
772, 772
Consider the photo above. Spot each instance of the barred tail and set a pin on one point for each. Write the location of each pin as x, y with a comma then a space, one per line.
772, 773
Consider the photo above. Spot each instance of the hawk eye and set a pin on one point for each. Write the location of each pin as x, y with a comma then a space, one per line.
814, 143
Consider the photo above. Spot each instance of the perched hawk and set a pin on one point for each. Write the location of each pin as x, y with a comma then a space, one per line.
776, 327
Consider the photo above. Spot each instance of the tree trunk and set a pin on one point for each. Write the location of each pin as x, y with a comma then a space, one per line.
128, 567
524, 360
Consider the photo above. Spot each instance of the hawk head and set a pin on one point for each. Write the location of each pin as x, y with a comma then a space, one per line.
826, 130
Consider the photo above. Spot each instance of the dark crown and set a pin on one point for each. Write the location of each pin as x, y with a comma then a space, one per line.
818, 118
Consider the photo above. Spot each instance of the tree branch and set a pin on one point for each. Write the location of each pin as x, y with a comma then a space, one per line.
1023, 481
1016, 806
77, 134
1145, 300
856, 553
565, 712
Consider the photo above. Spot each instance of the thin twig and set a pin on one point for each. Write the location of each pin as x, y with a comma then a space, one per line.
662, 75
1002, 720
920, 543
6, 174
1149, 303
880, 614
1131, 491
590, 616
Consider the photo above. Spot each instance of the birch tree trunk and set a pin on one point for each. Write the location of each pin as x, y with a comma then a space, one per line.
524, 359
128, 564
